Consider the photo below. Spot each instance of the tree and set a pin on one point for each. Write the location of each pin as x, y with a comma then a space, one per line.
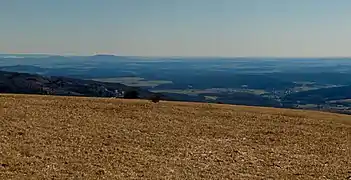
131, 94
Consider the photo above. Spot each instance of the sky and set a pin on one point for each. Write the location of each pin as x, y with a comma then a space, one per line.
225, 28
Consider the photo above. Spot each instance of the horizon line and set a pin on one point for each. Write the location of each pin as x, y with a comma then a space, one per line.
172, 56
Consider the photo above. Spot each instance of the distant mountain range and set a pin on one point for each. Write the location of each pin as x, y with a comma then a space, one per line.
24, 83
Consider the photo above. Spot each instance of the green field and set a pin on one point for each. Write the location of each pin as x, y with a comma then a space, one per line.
342, 101
210, 91
134, 81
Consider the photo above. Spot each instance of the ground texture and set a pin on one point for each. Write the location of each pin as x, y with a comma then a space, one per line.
44, 137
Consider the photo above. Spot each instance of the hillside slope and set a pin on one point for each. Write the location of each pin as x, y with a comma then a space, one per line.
45, 137
24, 83
320, 95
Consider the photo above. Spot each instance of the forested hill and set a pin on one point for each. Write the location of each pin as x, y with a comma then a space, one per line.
24, 83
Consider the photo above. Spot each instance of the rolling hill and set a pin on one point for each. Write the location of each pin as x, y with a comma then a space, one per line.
57, 137
320, 95
24, 83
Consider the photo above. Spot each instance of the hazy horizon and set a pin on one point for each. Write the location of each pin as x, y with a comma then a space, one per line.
170, 56
183, 28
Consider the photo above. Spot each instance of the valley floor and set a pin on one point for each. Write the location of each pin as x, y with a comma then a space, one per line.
45, 137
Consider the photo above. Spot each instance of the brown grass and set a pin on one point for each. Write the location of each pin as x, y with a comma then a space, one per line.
44, 137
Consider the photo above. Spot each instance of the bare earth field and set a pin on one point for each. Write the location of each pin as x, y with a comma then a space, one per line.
43, 137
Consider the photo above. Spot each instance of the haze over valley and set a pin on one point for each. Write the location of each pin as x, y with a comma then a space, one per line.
307, 83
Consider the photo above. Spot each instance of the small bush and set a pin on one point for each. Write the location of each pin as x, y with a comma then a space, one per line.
155, 98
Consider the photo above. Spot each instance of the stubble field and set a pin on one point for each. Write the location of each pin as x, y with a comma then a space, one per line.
47, 137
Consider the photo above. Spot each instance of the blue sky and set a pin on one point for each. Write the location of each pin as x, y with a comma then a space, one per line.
300, 28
